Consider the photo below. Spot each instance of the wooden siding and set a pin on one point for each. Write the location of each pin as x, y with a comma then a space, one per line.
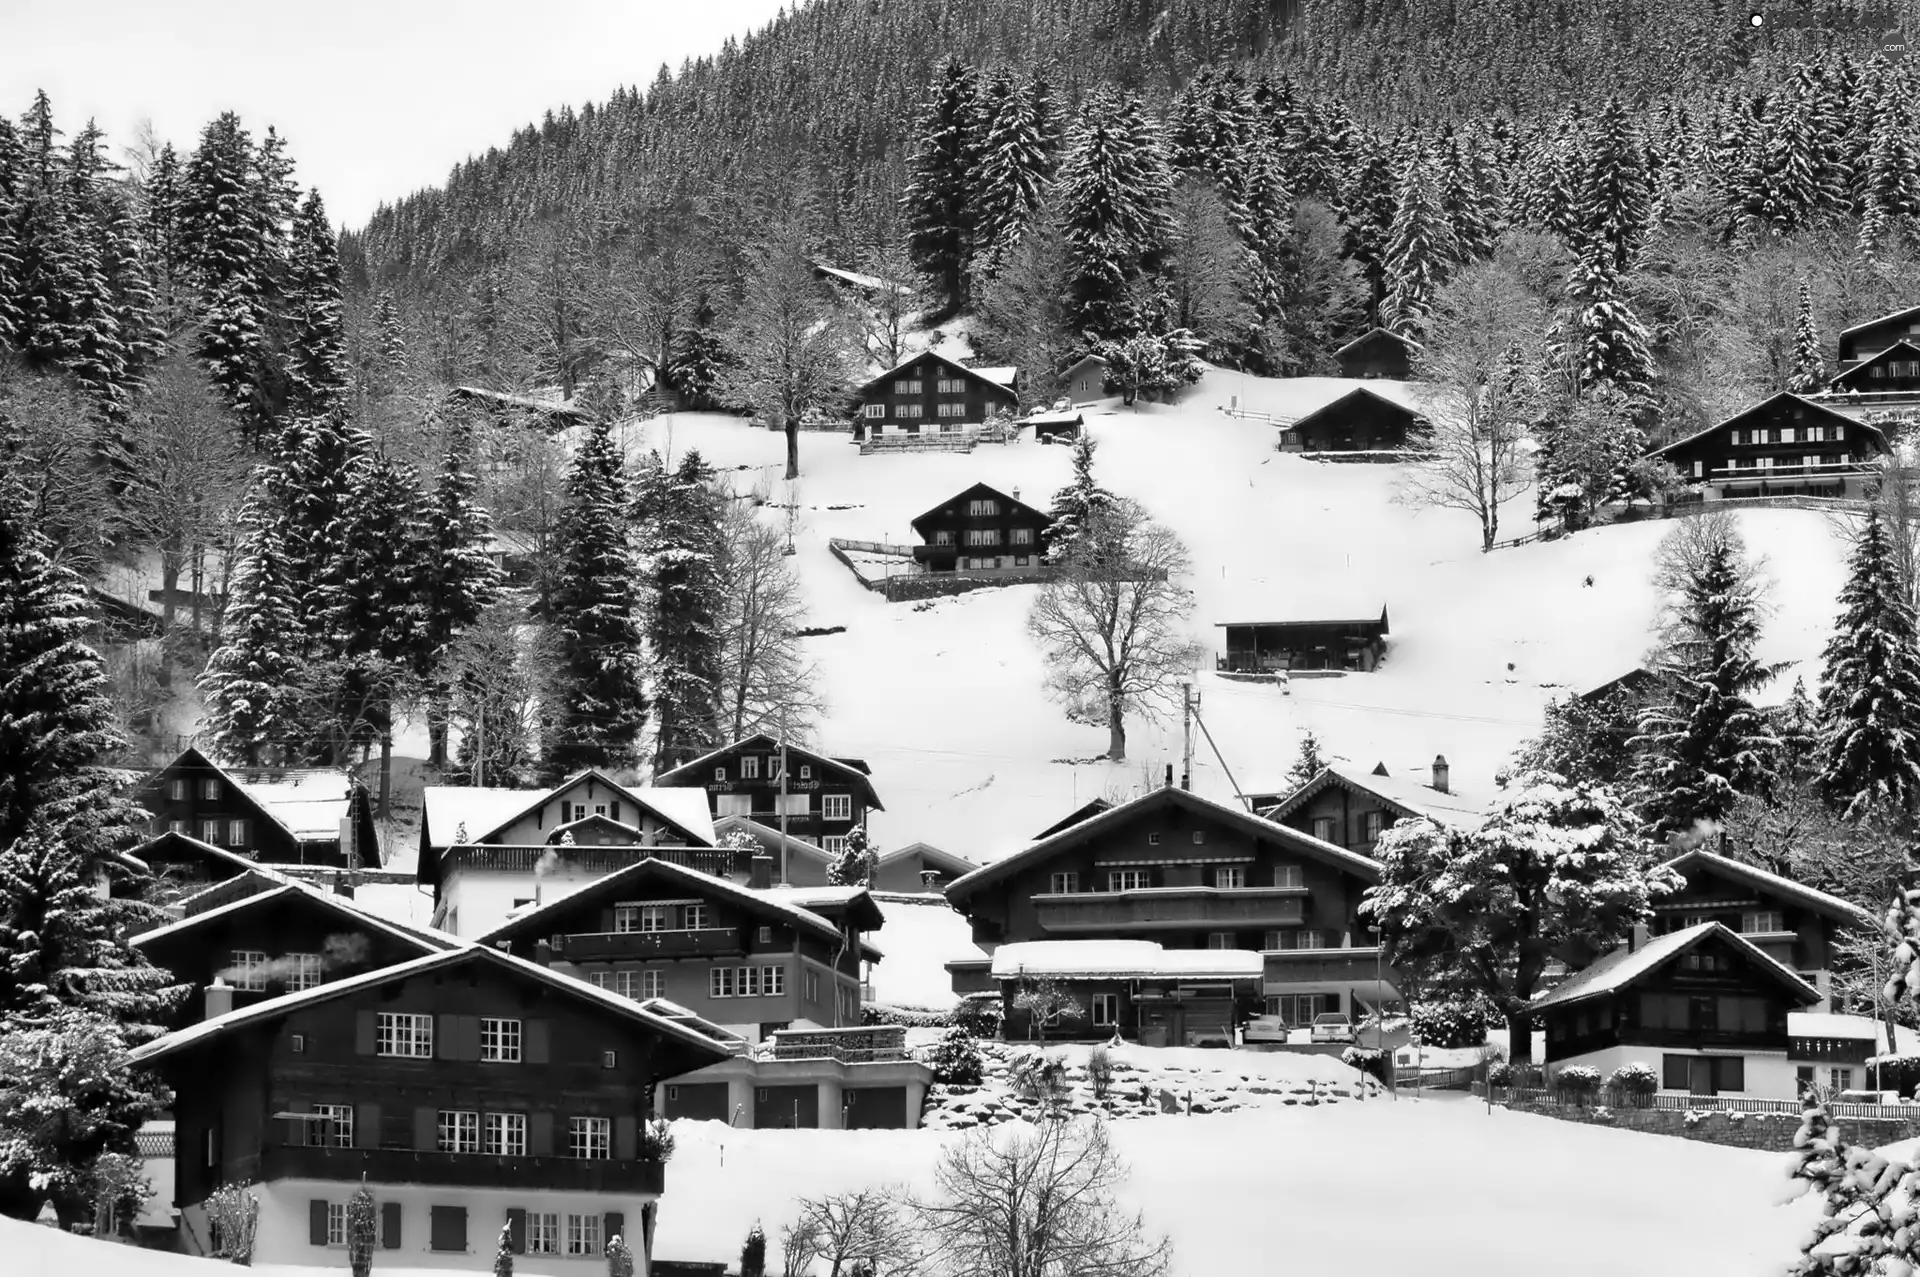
1357, 422
1620, 1018
1764, 450
910, 400
1871, 339
1376, 355
962, 528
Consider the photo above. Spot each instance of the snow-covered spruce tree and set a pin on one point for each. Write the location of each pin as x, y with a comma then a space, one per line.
388, 349
1703, 743
856, 864
1078, 504
457, 579
1611, 211
1309, 762
753, 1253
247, 683
1559, 871
1419, 250
1112, 199
1151, 363
1014, 166
96, 347
1870, 687
942, 177
316, 337
686, 605
1588, 741
503, 1252
1809, 374
1366, 209
1585, 449
1602, 337
362, 1230
10, 265
232, 256
493, 700
597, 705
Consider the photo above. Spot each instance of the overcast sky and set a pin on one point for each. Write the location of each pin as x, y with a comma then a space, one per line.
377, 98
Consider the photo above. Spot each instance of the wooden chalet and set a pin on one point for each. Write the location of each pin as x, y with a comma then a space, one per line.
1358, 421
182, 864
467, 1090
982, 531
1349, 809
1890, 372
311, 816
1792, 923
1868, 338
746, 959
1347, 638
919, 867
1191, 876
1703, 1006
1784, 446
1086, 380
823, 799
1377, 354
796, 861
930, 393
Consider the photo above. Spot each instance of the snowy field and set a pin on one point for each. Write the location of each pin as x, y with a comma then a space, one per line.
916, 941
945, 700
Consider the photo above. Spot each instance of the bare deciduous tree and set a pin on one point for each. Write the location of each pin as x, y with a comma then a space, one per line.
888, 310
1038, 1204
768, 683
1111, 624
865, 1234
1047, 1004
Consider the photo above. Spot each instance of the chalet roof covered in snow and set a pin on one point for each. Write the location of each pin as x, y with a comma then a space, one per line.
331, 902
689, 776
932, 855
1319, 601
1000, 375
1013, 505
1824, 1024
1122, 960
1827, 411
1001, 379
1626, 966
862, 281
856, 902
557, 408
1773, 884
310, 803
769, 838
485, 812
1905, 312
1059, 417
1408, 797
1860, 376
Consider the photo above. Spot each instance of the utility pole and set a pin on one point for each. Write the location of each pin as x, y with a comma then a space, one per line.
480, 746
783, 794
1189, 701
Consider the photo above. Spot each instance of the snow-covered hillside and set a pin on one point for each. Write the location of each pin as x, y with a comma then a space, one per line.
944, 698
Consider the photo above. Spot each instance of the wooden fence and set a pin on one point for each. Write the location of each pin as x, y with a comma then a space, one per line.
959, 441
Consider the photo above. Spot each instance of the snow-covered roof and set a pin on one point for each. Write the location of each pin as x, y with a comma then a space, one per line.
328, 900
855, 769
858, 279
310, 803
928, 852
1624, 966
1000, 375
768, 836
1863, 369
1774, 884
680, 1015
1315, 599
1722, 424
1902, 313
1122, 960
857, 900
1001, 378
1065, 417
1825, 1024
240, 864
1358, 392
1410, 797
555, 406
704, 885
444, 808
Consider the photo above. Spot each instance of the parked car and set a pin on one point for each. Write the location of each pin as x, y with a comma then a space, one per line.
1334, 1026
1266, 1028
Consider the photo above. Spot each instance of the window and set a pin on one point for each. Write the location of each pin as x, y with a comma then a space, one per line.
1153, 839
950, 386
1022, 536
1106, 1009
653, 984
983, 536
720, 982
249, 970
1298, 1008
746, 982
1230, 879
236, 833
459, 1131
750, 767
695, 917
874, 410
836, 807
600, 979
981, 507
332, 1125
579, 810
210, 831
1740, 1015
336, 1223
1787, 436
210, 790
810, 985
1022, 560
178, 826
583, 1234
791, 804
1289, 876
504, 1135
543, 1233
177, 790
906, 387
834, 844
1323, 828
499, 1041
719, 774
639, 918
906, 410
590, 1137
1705, 962
1129, 880
1810, 461
1221, 939
402, 1034
1763, 920
304, 971
1199, 836
1840, 1079
1373, 822
1063, 884
953, 410
1663, 1011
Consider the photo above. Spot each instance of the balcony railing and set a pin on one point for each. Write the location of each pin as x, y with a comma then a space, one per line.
590, 946
603, 859
867, 1045
1308, 966
461, 1170
1171, 908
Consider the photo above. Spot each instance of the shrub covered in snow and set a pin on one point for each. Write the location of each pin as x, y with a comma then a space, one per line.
1894, 1073
1462, 1020
980, 1014
911, 1017
1100, 1072
955, 1060
1577, 1082
1500, 1073
1367, 1060
1634, 1082
1040, 1080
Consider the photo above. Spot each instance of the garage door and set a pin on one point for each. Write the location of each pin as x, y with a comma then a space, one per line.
876, 1108
697, 1101
776, 1107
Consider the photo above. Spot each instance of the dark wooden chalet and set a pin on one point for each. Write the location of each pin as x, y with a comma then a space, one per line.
273, 816
1379, 353
982, 530
283, 939
1353, 639
1348, 809
1189, 874
1634, 685
1864, 340
1790, 922
1784, 446
1893, 371
932, 394
732, 955
182, 864
824, 799
1703, 1006
466, 1089
1358, 421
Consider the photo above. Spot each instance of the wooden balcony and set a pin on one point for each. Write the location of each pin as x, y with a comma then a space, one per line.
1170, 909
601, 946
460, 1170
593, 859
1320, 966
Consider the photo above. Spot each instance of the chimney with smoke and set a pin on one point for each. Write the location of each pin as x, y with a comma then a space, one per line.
219, 998
760, 877
1440, 773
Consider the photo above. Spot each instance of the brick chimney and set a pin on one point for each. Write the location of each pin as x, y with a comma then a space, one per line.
760, 877
219, 998
1440, 771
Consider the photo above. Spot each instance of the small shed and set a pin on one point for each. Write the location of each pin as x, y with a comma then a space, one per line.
1086, 380
1345, 638
1378, 353
1358, 421
1054, 425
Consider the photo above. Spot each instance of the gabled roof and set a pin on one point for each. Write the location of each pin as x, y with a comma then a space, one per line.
1405, 797
697, 1049
1909, 312
673, 1011
307, 804
1037, 851
691, 772
1624, 967
769, 838
445, 808
985, 490
1358, 392
932, 855
855, 903
1074, 817
1054, 417
1633, 681
327, 901
1831, 414
861, 280
1759, 879
1375, 334
697, 826
528, 403
534, 922
1331, 607
578, 827
1000, 379
238, 887
1081, 362
1859, 372
156, 849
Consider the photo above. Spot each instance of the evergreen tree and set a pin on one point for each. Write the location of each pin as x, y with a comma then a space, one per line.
1079, 505
753, 1254
681, 524
94, 345
1612, 343
941, 179
599, 704
1366, 210
1112, 201
222, 237
1706, 743
12, 178
456, 576
250, 710
1613, 209
1308, 763
1419, 251
1870, 687
1809, 373
492, 701
1016, 161
316, 342
390, 344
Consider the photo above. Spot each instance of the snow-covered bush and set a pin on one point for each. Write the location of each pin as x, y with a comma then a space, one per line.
1040, 1080
362, 1230
233, 1216
1461, 1020
980, 1014
1367, 1060
1633, 1083
619, 1258
955, 1060
1500, 1073
910, 1017
1577, 1082
1100, 1072
656, 1141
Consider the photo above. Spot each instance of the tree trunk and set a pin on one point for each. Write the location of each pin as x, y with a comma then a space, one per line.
386, 771
1519, 1038
439, 710
169, 586
1116, 734
1489, 528
793, 448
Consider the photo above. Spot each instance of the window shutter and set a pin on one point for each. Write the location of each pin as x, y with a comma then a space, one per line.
449, 1232
626, 1138
426, 1130
540, 1134
615, 1226
469, 1045
533, 1041
446, 1037
390, 1225
317, 1221
363, 1032
517, 1230
366, 1127
296, 1129
606, 920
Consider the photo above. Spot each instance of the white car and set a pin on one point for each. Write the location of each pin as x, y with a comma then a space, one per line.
1266, 1028
1334, 1026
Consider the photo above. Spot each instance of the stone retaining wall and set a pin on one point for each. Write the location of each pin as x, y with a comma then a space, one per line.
1771, 1132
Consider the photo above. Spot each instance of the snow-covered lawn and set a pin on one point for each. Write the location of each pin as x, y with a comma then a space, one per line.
917, 940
